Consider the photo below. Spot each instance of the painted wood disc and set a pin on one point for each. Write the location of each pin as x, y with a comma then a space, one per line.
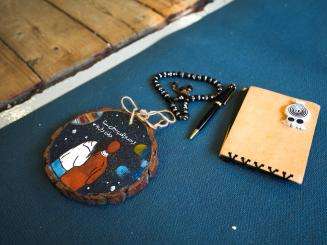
99, 158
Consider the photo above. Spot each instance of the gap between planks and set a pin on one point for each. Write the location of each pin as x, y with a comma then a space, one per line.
39, 100
50, 32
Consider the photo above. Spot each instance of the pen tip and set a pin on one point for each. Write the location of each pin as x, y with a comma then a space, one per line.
195, 131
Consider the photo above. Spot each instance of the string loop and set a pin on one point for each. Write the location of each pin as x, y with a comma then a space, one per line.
167, 117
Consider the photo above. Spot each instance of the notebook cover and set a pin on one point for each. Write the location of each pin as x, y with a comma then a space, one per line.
260, 138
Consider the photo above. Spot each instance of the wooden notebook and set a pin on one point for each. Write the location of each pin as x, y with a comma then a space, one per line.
262, 138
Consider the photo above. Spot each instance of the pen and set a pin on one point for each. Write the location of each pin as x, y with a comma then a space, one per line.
221, 100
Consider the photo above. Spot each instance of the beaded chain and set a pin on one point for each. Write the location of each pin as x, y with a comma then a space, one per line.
183, 93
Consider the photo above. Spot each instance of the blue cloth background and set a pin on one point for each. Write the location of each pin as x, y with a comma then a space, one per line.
196, 197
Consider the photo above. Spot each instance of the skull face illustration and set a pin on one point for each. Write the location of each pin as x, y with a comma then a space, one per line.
297, 115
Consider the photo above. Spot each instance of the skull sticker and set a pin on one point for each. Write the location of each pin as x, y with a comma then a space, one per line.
297, 115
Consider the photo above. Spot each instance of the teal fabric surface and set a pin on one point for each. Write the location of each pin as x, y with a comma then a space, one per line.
195, 198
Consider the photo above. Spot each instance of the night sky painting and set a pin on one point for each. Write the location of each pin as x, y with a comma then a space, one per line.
125, 150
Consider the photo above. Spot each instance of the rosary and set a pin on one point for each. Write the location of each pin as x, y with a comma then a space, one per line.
183, 95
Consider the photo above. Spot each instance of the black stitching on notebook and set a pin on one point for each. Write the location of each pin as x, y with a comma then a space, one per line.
258, 166
272, 171
284, 175
245, 162
232, 157
242, 160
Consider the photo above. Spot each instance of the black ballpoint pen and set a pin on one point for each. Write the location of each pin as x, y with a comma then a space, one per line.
221, 100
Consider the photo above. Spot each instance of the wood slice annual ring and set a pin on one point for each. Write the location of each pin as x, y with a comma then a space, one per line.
98, 158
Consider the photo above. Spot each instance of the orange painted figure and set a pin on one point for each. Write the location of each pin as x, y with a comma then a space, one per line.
92, 169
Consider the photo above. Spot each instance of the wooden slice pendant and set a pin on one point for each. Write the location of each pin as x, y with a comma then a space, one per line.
99, 158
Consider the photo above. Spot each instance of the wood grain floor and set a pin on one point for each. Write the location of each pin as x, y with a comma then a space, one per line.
44, 41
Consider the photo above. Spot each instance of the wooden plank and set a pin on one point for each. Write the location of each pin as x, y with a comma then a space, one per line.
97, 18
16, 78
52, 43
171, 8
57, 38
138, 17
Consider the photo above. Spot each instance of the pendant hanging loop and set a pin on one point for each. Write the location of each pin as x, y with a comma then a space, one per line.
167, 117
